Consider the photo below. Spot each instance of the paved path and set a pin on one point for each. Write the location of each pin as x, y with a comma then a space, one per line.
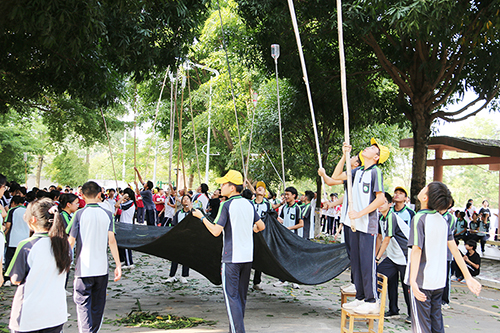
309, 309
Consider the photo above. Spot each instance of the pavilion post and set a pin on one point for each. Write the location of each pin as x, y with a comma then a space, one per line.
438, 166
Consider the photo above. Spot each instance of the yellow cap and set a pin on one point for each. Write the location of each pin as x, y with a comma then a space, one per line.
232, 176
384, 151
261, 183
401, 188
361, 159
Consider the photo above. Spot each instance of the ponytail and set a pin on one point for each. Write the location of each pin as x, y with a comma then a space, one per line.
48, 218
60, 244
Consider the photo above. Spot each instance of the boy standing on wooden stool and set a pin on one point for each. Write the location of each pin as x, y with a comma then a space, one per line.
426, 273
367, 195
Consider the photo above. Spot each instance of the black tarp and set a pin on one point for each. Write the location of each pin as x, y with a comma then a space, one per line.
277, 251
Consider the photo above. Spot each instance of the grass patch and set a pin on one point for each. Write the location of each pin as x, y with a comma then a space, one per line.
158, 321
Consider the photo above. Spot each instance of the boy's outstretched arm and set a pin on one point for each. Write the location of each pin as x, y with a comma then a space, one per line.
473, 284
416, 254
116, 257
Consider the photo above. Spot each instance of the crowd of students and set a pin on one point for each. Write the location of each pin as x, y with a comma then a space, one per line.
382, 234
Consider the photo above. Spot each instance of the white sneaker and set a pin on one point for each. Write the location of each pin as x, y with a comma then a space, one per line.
171, 279
367, 308
182, 279
68, 293
7, 283
295, 286
445, 306
280, 284
352, 305
351, 288
128, 267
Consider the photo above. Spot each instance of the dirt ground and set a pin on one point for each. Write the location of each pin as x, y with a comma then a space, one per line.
308, 309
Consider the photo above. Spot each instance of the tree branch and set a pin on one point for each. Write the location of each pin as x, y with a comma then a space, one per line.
398, 76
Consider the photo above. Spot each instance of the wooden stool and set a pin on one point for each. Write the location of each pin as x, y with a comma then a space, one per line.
344, 295
382, 288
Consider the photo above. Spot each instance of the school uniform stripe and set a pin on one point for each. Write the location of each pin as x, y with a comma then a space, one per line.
226, 299
18, 249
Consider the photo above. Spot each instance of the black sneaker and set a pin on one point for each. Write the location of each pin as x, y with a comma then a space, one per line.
391, 314
408, 320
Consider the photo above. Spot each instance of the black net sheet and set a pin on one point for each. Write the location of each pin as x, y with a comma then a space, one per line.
277, 251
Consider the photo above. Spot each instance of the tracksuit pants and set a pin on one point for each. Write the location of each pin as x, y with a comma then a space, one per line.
151, 216
173, 269
446, 290
235, 278
426, 316
394, 273
125, 256
90, 298
363, 266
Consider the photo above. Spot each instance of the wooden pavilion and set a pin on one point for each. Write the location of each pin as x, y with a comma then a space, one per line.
489, 148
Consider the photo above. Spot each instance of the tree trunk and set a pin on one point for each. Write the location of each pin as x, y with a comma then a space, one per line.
39, 170
421, 134
191, 180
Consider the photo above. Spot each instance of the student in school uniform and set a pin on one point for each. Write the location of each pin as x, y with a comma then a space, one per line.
187, 206
394, 233
92, 231
291, 215
16, 229
430, 237
262, 206
344, 223
127, 206
201, 199
147, 199
68, 205
238, 220
368, 195
400, 208
307, 232
39, 268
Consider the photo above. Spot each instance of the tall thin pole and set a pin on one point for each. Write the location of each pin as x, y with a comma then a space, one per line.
173, 107
277, 173
232, 91
343, 84
207, 164
135, 131
254, 100
275, 53
124, 154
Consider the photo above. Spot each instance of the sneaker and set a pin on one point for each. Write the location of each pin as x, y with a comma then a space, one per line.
7, 283
171, 279
295, 286
445, 306
182, 279
68, 294
367, 308
128, 267
257, 287
280, 284
351, 288
390, 314
352, 305
408, 320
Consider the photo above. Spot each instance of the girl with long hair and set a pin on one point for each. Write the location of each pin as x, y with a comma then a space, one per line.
39, 268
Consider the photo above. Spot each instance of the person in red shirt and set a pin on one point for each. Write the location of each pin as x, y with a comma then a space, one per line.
159, 201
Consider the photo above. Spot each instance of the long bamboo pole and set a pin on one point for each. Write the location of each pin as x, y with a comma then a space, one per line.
343, 84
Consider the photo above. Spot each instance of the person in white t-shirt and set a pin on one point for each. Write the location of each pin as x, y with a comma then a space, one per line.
127, 206
92, 231
39, 268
